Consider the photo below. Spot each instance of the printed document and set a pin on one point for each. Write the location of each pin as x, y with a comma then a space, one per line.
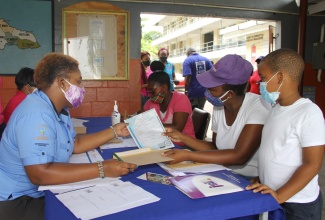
190, 167
61, 188
146, 129
93, 202
119, 142
91, 156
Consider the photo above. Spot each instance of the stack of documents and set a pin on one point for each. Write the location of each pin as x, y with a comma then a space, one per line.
190, 167
78, 125
93, 202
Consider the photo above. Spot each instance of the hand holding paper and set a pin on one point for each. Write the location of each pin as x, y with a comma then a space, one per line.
146, 130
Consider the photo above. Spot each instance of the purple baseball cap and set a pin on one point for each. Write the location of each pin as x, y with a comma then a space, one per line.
259, 58
231, 69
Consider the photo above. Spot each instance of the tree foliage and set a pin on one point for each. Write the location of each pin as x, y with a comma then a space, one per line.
146, 41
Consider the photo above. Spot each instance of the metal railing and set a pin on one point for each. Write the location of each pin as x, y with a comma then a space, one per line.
211, 46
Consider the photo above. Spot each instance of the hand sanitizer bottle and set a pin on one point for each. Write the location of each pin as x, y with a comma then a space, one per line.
116, 116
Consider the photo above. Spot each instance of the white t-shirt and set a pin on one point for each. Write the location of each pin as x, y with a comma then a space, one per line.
252, 111
286, 131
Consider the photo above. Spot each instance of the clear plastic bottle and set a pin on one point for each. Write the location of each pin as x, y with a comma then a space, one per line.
116, 116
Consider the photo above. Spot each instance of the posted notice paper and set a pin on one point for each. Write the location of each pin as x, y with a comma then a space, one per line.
146, 129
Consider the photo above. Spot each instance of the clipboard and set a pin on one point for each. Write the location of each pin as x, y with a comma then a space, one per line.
142, 156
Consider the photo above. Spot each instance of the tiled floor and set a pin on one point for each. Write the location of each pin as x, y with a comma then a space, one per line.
208, 107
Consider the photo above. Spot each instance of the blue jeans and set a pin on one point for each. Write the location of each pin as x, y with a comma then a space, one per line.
304, 211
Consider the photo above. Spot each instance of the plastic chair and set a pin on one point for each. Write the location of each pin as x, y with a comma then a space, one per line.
201, 120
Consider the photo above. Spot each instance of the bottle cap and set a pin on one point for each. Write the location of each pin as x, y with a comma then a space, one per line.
115, 106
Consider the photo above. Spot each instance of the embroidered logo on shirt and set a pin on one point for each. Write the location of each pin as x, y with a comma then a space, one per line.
42, 129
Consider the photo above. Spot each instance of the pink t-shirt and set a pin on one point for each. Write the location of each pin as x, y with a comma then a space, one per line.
144, 90
178, 103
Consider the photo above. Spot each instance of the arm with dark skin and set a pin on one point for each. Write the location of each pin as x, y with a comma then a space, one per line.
179, 121
187, 83
312, 158
59, 173
246, 145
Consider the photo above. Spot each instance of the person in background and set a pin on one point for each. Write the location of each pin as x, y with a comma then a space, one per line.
163, 54
173, 108
2, 125
194, 65
24, 81
145, 73
253, 85
157, 66
293, 139
237, 120
39, 140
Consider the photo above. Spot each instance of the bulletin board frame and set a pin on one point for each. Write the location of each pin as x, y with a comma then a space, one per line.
99, 41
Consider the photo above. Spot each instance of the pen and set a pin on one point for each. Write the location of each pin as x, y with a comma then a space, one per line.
117, 157
120, 159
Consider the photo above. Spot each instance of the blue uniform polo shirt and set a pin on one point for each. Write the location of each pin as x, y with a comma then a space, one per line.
35, 134
193, 65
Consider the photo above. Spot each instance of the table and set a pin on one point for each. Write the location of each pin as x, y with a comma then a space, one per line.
173, 203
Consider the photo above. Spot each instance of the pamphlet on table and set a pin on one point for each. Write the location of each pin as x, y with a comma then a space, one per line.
210, 184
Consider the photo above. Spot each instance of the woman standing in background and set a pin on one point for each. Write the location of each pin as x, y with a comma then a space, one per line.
163, 54
145, 73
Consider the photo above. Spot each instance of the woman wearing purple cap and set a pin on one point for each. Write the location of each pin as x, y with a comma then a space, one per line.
237, 120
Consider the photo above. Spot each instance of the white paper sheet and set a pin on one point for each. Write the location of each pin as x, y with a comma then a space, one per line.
124, 142
146, 129
61, 188
187, 167
97, 201
78, 122
91, 156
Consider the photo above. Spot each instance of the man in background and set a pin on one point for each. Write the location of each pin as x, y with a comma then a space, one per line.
194, 65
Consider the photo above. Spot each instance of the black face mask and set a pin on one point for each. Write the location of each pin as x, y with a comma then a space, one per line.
146, 63
163, 59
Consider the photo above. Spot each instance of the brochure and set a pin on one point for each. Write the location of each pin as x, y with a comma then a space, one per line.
146, 129
210, 184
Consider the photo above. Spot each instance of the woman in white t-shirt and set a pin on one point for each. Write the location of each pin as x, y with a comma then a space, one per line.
237, 120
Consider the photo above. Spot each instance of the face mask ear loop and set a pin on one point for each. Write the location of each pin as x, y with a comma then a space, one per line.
280, 85
224, 96
272, 77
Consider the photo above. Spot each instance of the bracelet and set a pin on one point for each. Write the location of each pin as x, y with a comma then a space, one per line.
116, 136
101, 169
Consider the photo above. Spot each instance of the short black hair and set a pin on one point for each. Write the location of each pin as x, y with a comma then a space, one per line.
238, 89
25, 76
157, 66
162, 78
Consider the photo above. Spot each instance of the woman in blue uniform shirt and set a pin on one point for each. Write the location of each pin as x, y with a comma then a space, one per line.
39, 140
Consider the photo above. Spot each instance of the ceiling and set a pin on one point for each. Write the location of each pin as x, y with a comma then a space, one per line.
314, 6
